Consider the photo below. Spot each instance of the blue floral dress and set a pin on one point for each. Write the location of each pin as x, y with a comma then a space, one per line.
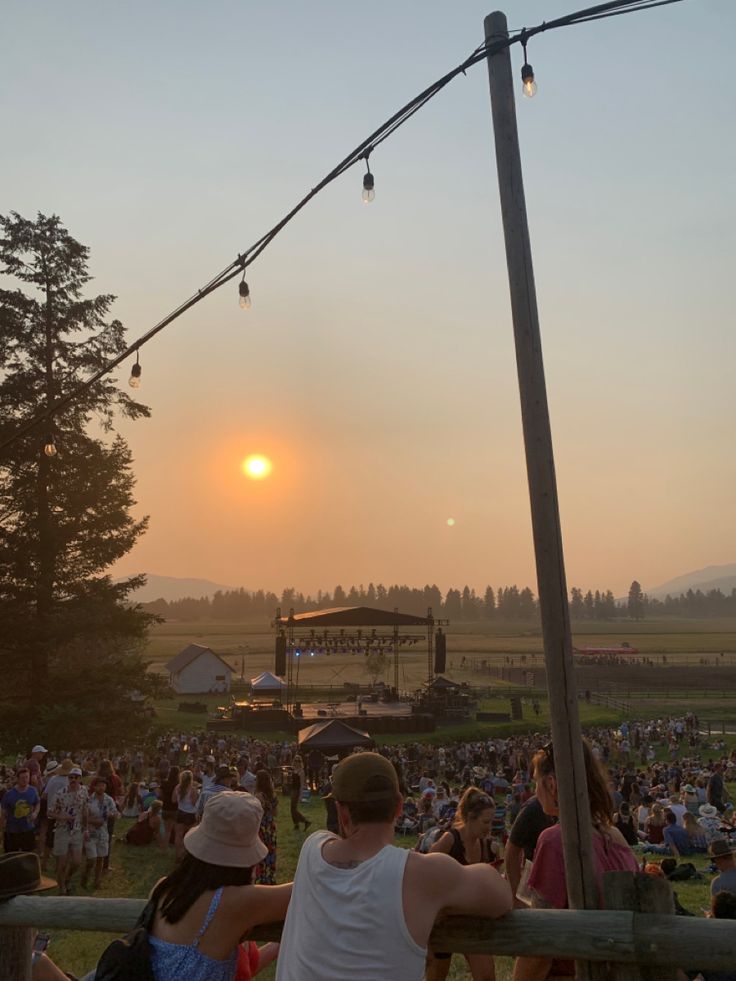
265, 872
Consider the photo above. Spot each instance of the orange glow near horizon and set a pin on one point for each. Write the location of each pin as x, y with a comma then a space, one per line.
256, 466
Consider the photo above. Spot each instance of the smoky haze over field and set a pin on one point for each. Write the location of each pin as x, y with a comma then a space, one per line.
171, 589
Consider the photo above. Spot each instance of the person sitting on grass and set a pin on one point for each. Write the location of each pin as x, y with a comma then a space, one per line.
654, 825
132, 804
148, 827
723, 858
676, 839
696, 834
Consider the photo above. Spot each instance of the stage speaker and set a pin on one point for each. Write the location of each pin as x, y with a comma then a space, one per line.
280, 659
516, 713
440, 653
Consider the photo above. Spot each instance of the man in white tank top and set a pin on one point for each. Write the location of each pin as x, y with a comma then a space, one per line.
362, 908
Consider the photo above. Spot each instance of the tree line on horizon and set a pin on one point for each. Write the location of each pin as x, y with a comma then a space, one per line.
506, 603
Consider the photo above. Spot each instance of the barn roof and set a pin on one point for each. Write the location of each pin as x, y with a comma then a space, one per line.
189, 655
356, 616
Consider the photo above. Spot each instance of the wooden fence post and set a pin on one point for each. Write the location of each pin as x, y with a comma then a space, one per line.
640, 893
15, 952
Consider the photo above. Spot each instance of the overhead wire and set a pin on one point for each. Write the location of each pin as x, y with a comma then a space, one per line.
238, 266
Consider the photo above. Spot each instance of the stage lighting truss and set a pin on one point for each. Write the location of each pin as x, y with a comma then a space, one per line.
359, 642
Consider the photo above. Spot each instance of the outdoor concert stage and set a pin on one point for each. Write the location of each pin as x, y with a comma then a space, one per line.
371, 717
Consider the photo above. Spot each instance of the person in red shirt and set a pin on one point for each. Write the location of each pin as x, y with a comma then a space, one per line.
547, 880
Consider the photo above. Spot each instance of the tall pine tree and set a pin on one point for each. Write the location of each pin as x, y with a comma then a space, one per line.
68, 636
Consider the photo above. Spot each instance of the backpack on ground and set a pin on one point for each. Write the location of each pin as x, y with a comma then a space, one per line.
129, 958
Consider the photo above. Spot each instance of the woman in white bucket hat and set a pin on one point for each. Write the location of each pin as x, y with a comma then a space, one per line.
207, 903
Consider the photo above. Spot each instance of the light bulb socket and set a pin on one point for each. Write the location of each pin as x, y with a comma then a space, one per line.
243, 289
368, 181
527, 73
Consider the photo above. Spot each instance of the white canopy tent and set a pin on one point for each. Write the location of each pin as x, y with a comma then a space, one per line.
266, 681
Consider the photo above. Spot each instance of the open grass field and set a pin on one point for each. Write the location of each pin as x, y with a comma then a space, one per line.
135, 870
675, 682
682, 642
484, 638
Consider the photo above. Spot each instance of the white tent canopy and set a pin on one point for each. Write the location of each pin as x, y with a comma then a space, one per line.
267, 682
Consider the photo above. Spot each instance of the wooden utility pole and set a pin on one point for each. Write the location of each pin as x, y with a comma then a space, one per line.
552, 585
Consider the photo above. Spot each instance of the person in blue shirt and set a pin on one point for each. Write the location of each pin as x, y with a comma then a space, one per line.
676, 839
20, 806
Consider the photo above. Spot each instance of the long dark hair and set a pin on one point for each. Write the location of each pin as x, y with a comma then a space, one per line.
264, 785
599, 794
178, 892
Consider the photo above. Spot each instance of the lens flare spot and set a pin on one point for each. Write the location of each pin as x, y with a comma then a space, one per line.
450, 522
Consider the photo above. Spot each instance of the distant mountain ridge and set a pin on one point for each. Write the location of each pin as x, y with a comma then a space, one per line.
171, 588
721, 577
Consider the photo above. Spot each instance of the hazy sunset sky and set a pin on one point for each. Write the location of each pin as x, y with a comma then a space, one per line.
376, 367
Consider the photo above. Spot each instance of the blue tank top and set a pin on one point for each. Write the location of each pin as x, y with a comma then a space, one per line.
173, 962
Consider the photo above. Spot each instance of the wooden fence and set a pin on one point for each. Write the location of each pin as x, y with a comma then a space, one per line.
637, 934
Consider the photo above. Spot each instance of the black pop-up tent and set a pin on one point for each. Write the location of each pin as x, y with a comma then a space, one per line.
332, 736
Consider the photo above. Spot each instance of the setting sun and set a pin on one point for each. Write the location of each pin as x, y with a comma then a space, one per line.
256, 467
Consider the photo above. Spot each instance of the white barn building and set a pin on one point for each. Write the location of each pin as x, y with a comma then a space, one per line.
198, 670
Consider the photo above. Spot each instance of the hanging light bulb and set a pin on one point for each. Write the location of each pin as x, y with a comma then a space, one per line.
50, 447
369, 193
245, 300
528, 85
135, 374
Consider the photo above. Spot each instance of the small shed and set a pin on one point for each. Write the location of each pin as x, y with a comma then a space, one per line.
198, 670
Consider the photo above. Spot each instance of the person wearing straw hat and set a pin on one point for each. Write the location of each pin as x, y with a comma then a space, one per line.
723, 858
56, 782
711, 823
20, 875
363, 908
207, 903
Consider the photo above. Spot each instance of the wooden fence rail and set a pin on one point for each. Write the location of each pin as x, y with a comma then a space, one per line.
621, 937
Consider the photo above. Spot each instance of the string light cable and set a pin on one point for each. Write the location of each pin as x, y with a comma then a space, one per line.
238, 267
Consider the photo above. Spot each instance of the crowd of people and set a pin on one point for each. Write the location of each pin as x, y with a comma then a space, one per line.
487, 807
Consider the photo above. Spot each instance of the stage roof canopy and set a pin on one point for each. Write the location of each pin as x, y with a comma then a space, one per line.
331, 735
356, 616
444, 684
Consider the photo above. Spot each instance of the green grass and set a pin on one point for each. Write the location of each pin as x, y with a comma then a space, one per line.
135, 870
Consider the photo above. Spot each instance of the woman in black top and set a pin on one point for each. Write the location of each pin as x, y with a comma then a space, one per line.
468, 841
624, 821
170, 804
